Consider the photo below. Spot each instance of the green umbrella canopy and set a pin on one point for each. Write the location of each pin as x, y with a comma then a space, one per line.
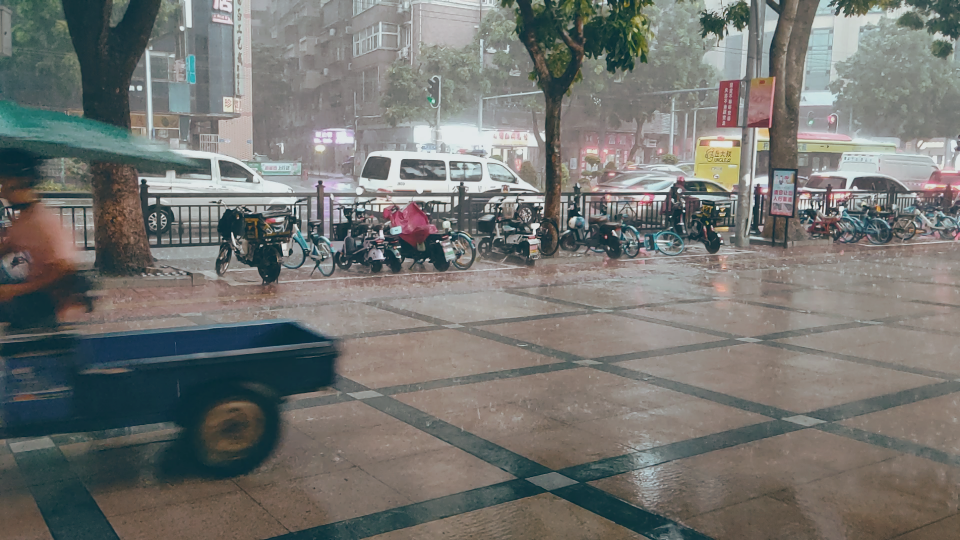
52, 134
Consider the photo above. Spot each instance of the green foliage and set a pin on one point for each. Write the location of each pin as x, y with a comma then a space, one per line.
610, 166
669, 159
718, 23
896, 88
592, 160
528, 173
565, 175
940, 18
405, 97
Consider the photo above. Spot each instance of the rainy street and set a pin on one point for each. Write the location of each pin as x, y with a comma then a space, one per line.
806, 394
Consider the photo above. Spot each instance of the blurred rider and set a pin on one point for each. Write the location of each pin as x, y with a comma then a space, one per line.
35, 232
676, 201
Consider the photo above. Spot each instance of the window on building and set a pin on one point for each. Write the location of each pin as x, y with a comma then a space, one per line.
359, 6
612, 139
378, 36
824, 8
370, 84
819, 58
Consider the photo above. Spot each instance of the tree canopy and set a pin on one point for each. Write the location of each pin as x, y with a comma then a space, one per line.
910, 93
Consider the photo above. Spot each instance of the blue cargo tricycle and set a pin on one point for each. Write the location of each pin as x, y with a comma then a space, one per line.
223, 384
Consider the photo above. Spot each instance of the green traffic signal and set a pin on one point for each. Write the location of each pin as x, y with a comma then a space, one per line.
433, 91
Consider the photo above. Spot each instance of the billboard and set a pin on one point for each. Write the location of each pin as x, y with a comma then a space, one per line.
728, 106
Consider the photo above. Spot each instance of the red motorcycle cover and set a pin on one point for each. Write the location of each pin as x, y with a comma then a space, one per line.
416, 225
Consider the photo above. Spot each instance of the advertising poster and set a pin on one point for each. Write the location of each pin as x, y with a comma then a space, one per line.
784, 193
760, 108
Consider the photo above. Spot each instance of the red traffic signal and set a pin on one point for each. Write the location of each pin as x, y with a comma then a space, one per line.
832, 122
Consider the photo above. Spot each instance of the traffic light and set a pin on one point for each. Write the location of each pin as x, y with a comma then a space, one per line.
810, 119
832, 122
433, 92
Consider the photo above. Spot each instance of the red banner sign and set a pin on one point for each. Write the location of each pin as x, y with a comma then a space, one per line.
728, 107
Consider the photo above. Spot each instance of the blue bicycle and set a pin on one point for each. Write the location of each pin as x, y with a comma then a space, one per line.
317, 250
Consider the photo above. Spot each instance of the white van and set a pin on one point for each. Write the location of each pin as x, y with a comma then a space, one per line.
913, 170
216, 174
414, 172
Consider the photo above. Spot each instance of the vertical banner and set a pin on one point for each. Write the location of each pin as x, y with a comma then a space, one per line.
783, 201
728, 106
760, 108
238, 37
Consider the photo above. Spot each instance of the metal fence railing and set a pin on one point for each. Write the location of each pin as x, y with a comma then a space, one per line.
191, 218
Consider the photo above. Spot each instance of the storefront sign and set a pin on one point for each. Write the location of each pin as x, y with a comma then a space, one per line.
333, 136
223, 11
228, 104
728, 106
238, 49
784, 193
276, 168
511, 138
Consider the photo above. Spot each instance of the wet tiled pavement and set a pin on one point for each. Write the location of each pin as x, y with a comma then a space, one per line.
746, 396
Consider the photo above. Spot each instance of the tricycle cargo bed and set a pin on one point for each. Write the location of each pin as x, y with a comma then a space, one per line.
139, 377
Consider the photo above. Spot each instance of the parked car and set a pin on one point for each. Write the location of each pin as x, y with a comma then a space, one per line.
413, 172
941, 179
214, 173
912, 170
847, 183
631, 193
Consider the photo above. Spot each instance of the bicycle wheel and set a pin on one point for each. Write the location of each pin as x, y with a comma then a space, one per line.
668, 243
549, 237
296, 258
949, 228
464, 250
630, 240
878, 231
904, 228
323, 258
850, 232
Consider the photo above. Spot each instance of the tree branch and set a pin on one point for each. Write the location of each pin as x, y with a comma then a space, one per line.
529, 39
576, 53
89, 24
774, 5
133, 32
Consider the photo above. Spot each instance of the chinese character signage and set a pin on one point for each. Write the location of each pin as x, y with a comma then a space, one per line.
728, 108
783, 193
223, 11
760, 109
333, 136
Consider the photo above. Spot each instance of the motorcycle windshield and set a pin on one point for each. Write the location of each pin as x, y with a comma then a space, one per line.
414, 223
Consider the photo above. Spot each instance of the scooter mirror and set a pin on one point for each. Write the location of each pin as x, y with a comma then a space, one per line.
359, 190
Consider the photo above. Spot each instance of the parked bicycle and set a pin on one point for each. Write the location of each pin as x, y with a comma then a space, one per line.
315, 247
933, 221
596, 233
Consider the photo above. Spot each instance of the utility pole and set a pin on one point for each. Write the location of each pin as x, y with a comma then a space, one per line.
748, 144
149, 83
673, 110
686, 120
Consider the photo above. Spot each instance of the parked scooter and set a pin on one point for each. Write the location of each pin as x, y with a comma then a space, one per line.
364, 243
506, 235
417, 239
703, 226
255, 238
594, 232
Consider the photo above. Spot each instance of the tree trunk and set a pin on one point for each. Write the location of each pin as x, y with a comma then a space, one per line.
637, 138
554, 180
107, 56
788, 52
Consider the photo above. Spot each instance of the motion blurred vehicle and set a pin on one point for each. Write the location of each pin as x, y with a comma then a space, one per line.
637, 195
942, 179
846, 184
912, 170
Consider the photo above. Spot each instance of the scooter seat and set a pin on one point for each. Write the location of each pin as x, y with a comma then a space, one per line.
596, 219
610, 225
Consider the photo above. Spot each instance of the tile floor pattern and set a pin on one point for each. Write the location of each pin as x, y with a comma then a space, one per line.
680, 406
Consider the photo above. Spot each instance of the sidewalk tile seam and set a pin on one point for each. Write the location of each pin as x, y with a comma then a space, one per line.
477, 378
668, 351
411, 515
853, 409
626, 515
859, 360
672, 324
890, 443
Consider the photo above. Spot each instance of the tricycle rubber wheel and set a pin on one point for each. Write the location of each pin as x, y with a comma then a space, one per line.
342, 260
712, 242
485, 248
232, 431
376, 266
613, 248
568, 242
440, 262
269, 267
223, 259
